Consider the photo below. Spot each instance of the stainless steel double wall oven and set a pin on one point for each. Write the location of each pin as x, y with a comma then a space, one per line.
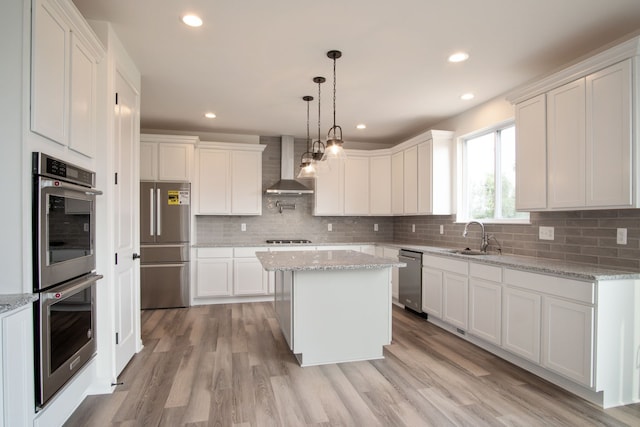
64, 261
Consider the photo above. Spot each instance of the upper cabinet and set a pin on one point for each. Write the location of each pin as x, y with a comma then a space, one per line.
228, 179
577, 143
64, 57
166, 157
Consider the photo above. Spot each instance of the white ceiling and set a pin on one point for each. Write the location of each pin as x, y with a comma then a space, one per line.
253, 60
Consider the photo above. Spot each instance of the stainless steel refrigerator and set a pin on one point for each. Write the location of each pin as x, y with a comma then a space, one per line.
164, 244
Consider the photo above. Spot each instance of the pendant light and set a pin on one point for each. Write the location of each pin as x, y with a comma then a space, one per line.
318, 147
334, 148
307, 166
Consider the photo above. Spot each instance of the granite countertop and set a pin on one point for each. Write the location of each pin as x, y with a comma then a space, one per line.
534, 265
14, 301
272, 245
323, 260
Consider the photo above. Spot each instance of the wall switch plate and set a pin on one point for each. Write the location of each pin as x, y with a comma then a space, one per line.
243, 227
546, 233
375, 227
621, 236
329, 227
413, 228
441, 229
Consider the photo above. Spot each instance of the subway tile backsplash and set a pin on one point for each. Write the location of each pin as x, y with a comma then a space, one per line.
587, 237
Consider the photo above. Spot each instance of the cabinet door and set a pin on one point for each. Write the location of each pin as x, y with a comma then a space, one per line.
411, 180
213, 182
432, 292
566, 145
249, 278
356, 186
50, 47
395, 273
380, 185
521, 323
246, 183
83, 99
455, 299
567, 339
425, 172
397, 183
609, 137
213, 277
174, 162
148, 161
329, 192
531, 154
485, 310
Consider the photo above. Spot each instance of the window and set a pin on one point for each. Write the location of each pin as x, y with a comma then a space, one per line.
489, 158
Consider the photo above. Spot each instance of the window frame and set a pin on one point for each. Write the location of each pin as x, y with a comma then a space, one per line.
463, 214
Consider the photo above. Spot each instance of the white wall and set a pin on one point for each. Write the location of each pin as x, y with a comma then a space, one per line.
12, 78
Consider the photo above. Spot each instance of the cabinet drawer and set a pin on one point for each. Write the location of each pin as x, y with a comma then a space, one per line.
215, 252
486, 272
557, 286
453, 265
248, 252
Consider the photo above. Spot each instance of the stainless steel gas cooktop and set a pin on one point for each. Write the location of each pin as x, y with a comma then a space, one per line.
287, 241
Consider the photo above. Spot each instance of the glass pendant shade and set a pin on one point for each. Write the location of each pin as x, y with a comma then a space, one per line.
334, 143
307, 170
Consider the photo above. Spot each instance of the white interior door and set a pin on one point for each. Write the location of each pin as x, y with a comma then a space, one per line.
127, 274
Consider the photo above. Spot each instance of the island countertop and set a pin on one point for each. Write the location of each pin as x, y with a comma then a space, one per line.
323, 260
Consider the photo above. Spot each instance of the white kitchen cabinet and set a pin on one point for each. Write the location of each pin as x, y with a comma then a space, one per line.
329, 192
16, 363
485, 310
64, 57
566, 145
397, 183
521, 322
531, 154
249, 278
609, 137
228, 179
455, 299
410, 180
356, 185
246, 182
435, 156
432, 291
166, 157
388, 252
214, 272
380, 184
567, 339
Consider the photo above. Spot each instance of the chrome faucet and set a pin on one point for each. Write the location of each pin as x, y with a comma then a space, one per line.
485, 239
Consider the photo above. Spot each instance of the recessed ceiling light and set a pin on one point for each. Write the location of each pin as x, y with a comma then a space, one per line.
210, 115
192, 20
467, 96
361, 126
459, 57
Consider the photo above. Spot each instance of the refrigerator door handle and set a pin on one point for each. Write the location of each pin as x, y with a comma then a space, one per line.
159, 227
151, 203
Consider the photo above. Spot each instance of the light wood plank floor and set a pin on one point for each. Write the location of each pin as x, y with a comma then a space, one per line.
228, 365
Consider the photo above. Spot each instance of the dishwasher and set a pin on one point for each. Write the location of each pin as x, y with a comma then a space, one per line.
410, 280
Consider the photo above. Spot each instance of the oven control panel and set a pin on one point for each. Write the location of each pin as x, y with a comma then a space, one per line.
51, 167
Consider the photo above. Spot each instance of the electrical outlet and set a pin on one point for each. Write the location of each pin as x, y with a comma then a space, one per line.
413, 228
441, 229
329, 227
243, 227
546, 233
375, 227
86, 226
621, 236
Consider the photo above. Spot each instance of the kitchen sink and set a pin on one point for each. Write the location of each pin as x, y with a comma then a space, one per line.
467, 251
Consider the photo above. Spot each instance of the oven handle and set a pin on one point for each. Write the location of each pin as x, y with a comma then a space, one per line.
71, 287
46, 183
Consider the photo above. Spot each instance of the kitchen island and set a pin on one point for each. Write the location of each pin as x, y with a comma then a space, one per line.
332, 306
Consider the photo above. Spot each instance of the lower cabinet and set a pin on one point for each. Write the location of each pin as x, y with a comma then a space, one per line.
214, 273
432, 292
445, 292
485, 310
567, 339
388, 252
249, 278
521, 323
455, 299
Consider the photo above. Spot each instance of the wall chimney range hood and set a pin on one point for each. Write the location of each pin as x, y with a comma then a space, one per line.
287, 185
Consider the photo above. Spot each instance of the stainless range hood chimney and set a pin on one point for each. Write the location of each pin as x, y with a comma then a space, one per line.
287, 185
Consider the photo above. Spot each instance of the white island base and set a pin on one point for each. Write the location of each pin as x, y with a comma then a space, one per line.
334, 316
